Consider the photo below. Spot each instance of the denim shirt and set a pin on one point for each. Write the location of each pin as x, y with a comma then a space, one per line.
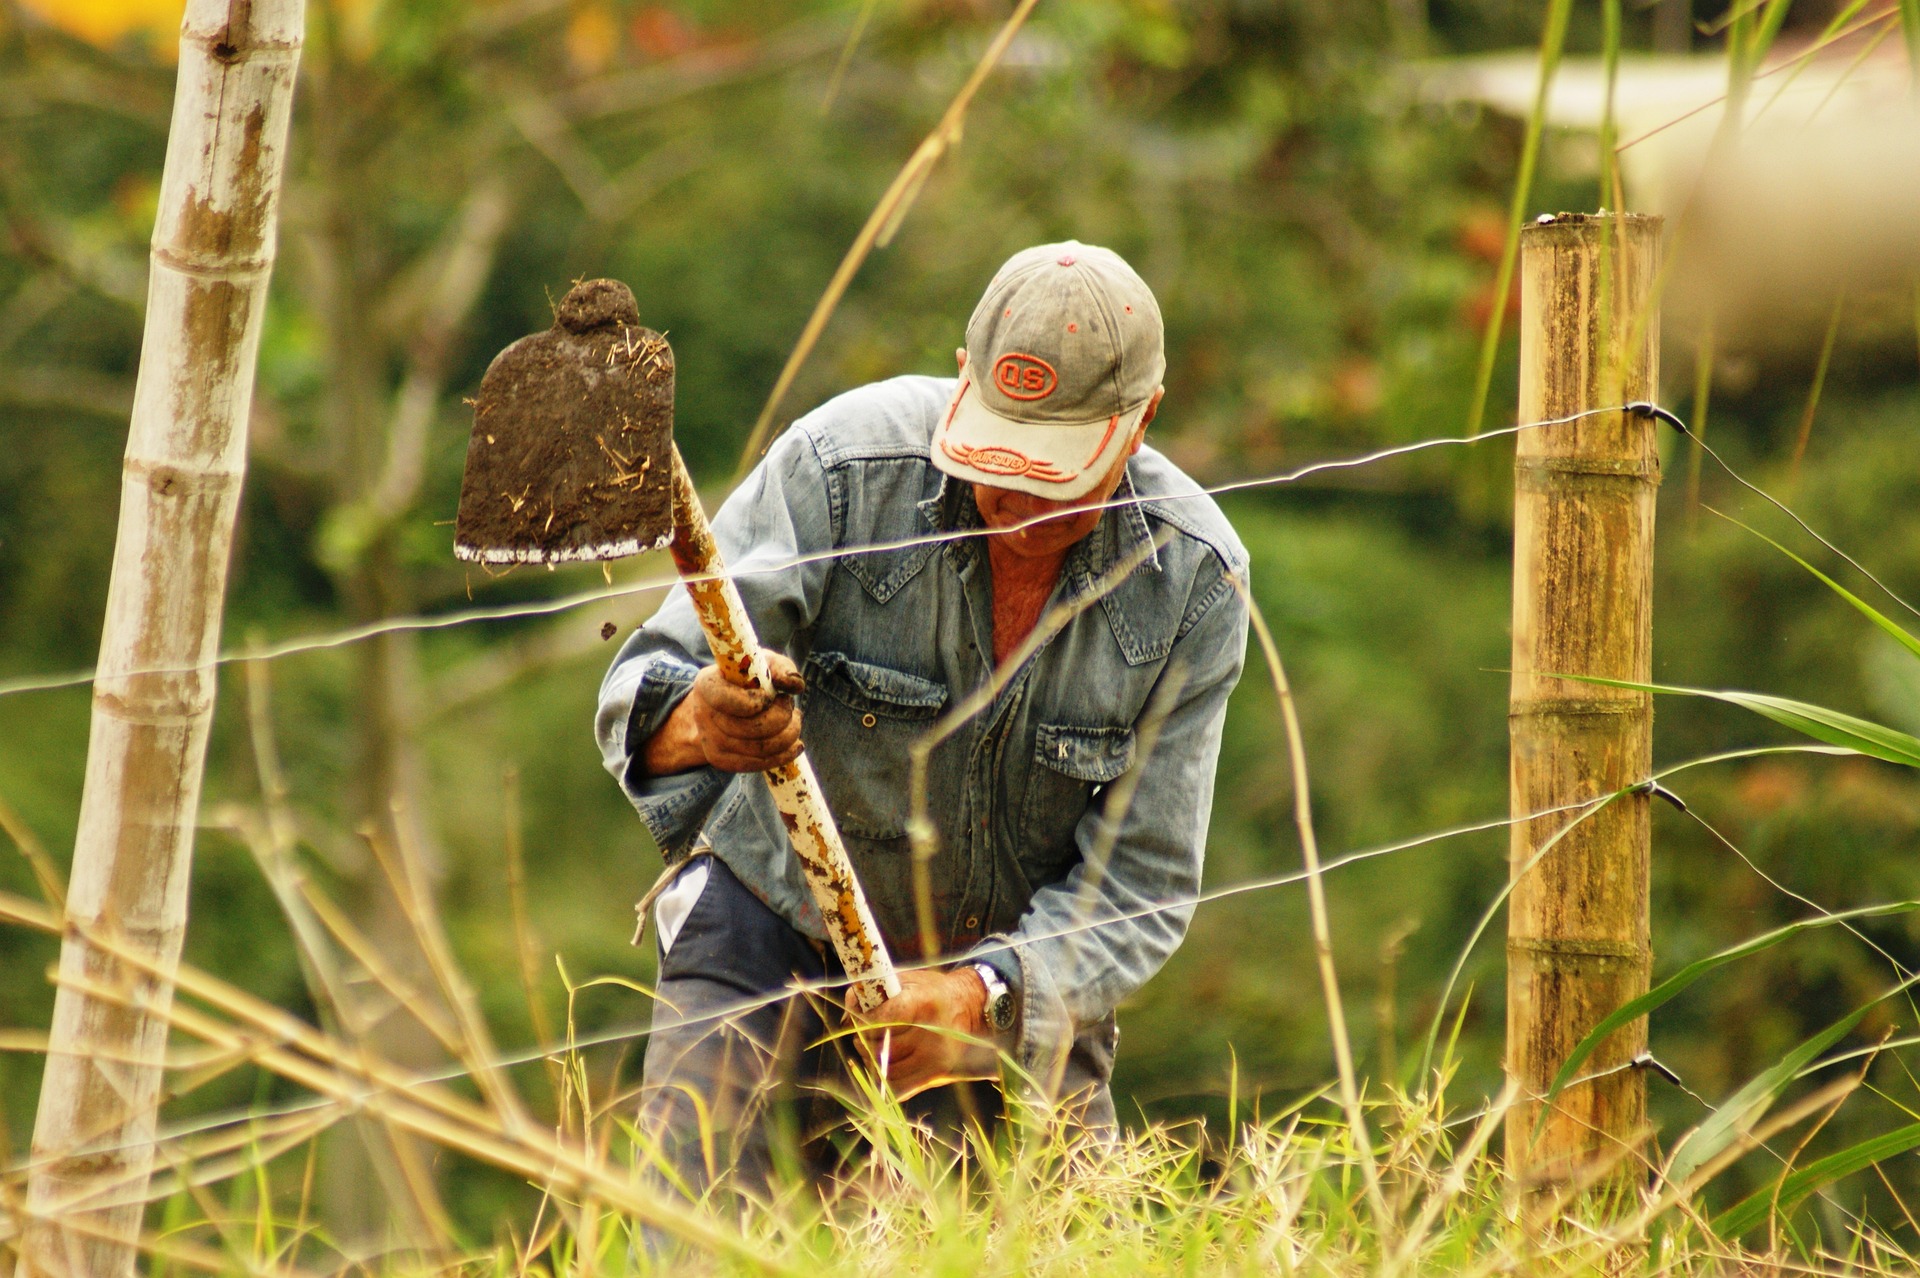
888, 639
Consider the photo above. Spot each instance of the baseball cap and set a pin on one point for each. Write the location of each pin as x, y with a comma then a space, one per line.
1064, 353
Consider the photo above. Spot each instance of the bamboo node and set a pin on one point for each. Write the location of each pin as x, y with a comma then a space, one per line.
1646, 470
1631, 703
1582, 954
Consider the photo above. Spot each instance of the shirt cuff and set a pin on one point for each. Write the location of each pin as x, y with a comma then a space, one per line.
673, 808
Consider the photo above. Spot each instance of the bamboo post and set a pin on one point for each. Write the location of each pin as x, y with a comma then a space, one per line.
1578, 935
213, 245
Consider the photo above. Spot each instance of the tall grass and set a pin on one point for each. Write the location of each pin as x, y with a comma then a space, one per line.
1282, 1191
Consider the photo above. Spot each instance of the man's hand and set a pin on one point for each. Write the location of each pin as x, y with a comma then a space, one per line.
921, 1033
733, 729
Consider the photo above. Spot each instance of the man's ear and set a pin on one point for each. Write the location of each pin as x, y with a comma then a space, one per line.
960, 357
1146, 419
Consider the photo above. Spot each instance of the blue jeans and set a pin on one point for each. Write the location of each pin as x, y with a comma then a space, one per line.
772, 1092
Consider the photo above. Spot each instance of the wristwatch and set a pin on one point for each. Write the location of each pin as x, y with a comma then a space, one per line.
999, 1011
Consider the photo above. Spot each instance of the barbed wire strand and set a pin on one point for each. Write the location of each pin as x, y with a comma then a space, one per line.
1644, 409
1905, 987
1899, 969
749, 568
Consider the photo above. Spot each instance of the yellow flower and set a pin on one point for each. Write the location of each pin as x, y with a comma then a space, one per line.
592, 38
107, 22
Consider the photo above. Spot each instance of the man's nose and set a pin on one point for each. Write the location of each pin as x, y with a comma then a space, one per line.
1025, 506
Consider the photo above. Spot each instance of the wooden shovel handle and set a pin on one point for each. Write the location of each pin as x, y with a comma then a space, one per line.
796, 792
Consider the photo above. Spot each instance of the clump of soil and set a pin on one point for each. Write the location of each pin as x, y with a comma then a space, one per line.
572, 449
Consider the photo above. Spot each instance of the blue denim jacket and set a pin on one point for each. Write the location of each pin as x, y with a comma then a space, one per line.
888, 639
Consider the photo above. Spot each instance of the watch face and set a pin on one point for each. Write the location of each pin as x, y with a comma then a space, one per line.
999, 1008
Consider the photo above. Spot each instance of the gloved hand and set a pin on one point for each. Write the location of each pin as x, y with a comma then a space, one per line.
733, 729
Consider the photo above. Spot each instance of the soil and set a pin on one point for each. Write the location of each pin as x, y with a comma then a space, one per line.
572, 450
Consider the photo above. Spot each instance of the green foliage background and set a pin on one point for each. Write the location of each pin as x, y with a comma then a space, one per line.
1315, 234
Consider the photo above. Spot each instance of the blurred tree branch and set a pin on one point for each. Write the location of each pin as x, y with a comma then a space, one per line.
479, 679
700, 69
75, 390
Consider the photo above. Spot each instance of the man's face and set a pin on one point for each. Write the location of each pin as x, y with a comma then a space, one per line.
1066, 521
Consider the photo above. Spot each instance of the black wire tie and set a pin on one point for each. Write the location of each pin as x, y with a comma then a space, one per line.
1659, 791
1642, 408
1647, 1060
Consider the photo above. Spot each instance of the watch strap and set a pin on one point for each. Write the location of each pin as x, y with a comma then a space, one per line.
998, 1012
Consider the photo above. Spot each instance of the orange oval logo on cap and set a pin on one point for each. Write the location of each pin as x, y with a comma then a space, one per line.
1022, 376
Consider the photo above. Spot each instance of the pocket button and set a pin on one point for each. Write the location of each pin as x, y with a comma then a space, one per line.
867, 720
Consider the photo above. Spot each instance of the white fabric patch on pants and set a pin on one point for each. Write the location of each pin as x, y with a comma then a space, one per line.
671, 909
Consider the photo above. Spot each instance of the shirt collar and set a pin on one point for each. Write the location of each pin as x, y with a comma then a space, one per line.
1122, 530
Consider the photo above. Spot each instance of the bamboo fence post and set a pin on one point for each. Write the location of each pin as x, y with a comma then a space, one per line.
1578, 934
213, 248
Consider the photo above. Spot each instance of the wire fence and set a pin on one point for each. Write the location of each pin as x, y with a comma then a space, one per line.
339, 638
832, 988
549, 607
295, 646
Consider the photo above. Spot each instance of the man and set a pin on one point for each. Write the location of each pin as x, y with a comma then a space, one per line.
961, 511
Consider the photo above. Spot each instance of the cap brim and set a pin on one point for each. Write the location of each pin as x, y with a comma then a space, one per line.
1061, 461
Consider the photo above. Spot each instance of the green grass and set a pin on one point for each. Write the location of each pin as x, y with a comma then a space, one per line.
1275, 1194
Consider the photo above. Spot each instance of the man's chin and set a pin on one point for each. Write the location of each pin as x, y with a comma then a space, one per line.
1024, 545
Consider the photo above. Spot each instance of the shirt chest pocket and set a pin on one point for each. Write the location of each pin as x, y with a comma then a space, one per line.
1069, 762
859, 722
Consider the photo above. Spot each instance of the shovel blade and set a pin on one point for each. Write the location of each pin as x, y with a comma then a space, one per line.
571, 456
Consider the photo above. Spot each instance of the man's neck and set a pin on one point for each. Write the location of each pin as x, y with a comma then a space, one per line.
1022, 585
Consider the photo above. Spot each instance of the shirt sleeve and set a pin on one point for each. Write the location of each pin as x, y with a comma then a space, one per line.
776, 534
1089, 941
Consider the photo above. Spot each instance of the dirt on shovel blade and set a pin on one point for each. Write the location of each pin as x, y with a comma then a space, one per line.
571, 455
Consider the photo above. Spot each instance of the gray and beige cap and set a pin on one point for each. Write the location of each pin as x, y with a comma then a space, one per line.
1064, 353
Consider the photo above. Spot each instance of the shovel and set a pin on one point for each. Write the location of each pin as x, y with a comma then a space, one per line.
572, 458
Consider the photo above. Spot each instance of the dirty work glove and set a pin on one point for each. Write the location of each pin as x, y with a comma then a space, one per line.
733, 729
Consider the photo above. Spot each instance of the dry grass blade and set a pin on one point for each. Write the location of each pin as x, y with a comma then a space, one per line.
846, 54
1703, 359
1792, 64
1322, 927
525, 944
365, 953
1118, 800
1116, 803
880, 226
45, 875
1552, 40
356, 1079
476, 1041
273, 849
1805, 434
171, 1250
394, 1161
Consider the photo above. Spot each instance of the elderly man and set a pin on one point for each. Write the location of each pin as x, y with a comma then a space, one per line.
898, 544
